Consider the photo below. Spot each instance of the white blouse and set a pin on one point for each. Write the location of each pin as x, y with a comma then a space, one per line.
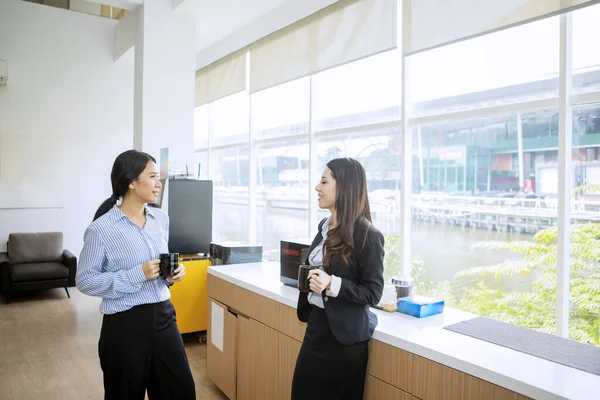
315, 258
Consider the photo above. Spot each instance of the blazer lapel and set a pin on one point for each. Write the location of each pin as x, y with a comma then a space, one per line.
316, 240
315, 243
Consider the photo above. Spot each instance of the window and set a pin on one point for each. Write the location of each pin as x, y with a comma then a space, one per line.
585, 229
201, 125
200, 165
483, 211
281, 110
282, 195
378, 152
466, 157
508, 66
359, 93
484, 187
586, 58
229, 119
229, 171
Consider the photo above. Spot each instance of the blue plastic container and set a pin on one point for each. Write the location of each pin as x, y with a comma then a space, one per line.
420, 306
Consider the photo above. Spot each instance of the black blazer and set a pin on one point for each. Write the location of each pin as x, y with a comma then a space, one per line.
349, 316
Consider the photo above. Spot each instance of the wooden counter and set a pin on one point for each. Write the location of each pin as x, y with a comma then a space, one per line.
255, 356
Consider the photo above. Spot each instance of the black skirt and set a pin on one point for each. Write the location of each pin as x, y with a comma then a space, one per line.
326, 369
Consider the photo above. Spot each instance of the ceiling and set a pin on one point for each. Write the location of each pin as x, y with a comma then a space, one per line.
216, 20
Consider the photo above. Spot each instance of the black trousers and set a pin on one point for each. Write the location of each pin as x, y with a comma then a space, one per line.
326, 369
141, 349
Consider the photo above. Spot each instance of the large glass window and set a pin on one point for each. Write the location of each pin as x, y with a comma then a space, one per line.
504, 67
484, 189
359, 93
586, 57
466, 157
282, 110
200, 170
282, 195
230, 119
585, 227
490, 218
229, 171
379, 153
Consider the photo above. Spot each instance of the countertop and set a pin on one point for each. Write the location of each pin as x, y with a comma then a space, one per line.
531, 376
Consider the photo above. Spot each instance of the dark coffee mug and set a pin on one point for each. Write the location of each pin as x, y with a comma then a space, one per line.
169, 262
303, 281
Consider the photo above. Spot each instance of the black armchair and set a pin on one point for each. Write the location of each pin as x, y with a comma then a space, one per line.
36, 261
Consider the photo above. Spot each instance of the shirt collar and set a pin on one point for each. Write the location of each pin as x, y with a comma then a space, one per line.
116, 214
150, 211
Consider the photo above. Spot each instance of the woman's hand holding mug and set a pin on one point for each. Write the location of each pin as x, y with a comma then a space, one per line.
179, 274
319, 280
151, 269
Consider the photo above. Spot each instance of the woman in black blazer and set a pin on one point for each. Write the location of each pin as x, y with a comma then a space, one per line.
333, 358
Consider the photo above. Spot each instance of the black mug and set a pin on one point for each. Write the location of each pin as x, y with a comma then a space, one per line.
303, 281
169, 262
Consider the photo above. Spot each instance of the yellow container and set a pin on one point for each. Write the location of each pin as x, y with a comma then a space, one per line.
190, 296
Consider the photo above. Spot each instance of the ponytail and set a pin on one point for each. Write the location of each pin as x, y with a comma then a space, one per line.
127, 168
105, 207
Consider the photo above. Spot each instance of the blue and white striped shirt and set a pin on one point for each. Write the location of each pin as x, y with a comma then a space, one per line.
114, 250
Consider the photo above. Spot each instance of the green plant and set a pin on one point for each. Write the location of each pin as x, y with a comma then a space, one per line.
391, 262
537, 308
475, 289
419, 270
420, 273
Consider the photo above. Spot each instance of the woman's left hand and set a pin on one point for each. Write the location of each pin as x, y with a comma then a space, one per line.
319, 280
179, 274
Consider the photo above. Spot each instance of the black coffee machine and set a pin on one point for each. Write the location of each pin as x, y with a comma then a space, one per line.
293, 254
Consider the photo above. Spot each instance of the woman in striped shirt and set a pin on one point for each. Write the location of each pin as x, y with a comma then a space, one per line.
140, 346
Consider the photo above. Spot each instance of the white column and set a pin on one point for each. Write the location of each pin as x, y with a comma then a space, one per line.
313, 173
520, 151
406, 174
420, 152
252, 169
406, 149
565, 142
164, 99
209, 163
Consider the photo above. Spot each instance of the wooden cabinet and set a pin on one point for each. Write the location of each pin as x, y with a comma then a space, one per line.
434, 381
390, 364
221, 363
262, 339
376, 389
258, 361
289, 323
288, 354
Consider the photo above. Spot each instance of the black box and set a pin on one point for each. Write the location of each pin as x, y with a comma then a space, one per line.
234, 253
293, 254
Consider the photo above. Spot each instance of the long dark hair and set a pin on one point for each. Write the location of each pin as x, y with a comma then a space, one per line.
126, 169
351, 206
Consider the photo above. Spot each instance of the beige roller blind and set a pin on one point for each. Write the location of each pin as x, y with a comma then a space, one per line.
343, 32
221, 78
432, 23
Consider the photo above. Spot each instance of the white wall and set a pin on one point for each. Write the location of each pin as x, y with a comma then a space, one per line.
165, 51
63, 81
